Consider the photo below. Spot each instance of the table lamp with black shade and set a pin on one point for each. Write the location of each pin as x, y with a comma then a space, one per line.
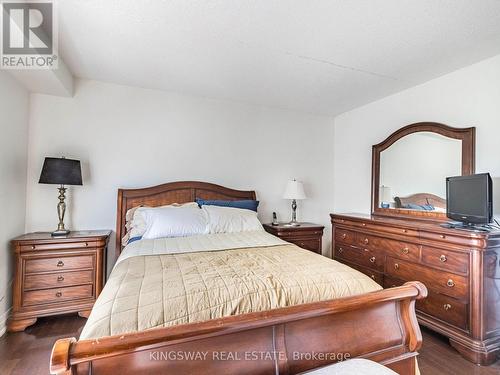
61, 171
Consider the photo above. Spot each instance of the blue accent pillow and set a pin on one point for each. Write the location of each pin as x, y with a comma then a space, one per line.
133, 239
421, 207
246, 204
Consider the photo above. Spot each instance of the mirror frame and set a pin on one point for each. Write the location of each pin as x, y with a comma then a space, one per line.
466, 135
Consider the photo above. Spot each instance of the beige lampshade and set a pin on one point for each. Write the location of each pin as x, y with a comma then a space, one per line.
294, 190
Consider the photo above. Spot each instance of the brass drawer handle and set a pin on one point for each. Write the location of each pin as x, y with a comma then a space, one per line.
372, 259
446, 306
405, 250
60, 264
396, 266
60, 278
442, 236
344, 235
366, 240
443, 258
33, 247
450, 283
405, 231
364, 224
58, 294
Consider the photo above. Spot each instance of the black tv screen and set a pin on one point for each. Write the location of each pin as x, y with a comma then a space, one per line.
469, 198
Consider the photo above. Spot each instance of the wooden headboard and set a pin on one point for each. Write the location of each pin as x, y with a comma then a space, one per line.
172, 192
421, 199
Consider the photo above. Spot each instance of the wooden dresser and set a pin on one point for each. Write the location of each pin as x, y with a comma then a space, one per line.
307, 236
460, 268
56, 275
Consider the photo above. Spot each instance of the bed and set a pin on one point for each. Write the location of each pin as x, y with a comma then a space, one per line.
422, 201
284, 320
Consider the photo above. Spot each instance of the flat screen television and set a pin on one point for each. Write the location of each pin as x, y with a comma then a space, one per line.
469, 199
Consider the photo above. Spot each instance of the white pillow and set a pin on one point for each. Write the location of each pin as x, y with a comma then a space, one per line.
135, 222
172, 221
230, 219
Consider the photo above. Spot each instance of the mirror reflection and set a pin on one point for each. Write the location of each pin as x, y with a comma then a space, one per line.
413, 171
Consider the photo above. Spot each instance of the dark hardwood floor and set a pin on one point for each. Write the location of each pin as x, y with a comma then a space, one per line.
28, 352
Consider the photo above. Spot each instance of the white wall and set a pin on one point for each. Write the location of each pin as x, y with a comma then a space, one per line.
132, 137
13, 159
467, 97
432, 155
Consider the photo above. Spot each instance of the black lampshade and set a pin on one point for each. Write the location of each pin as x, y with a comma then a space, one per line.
61, 171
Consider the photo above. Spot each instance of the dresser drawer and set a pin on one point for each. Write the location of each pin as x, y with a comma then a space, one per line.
374, 275
443, 282
398, 249
366, 257
59, 263
378, 228
446, 260
439, 306
312, 244
38, 297
444, 308
345, 236
59, 279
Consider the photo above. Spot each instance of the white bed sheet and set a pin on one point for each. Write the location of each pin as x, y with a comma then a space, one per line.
204, 242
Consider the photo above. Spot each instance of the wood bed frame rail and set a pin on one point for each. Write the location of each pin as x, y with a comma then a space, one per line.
380, 326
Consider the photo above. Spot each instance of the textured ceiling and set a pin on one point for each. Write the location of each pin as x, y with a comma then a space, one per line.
317, 56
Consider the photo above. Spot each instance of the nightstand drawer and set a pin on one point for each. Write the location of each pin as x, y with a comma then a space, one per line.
59, 263
59, 279
60, 246
313, 244
38, 297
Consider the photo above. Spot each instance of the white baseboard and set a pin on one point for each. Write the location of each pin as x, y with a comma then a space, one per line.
3, 322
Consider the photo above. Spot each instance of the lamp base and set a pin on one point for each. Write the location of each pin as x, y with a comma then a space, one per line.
60, 233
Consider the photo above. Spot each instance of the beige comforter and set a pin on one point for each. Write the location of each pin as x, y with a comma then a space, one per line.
150, 291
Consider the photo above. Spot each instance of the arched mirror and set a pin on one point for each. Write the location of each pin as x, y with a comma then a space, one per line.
410, 167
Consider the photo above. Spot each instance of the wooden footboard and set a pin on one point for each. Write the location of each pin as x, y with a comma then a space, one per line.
380, 326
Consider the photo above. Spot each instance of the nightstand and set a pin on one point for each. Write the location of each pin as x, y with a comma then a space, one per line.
307, 235
56, 275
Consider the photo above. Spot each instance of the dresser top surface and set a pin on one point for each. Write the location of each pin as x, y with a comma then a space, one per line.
420, 225
72, 236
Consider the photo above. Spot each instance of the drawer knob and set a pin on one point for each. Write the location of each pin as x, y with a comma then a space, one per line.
443, 258
86, 244
405, 250
341, 250
396, 266
366, 240
442, 236
372, 259
446, 306
450, 283
405, 231
60, 264
60, 278
33, 247
372, 276
58, 294
364, 224
344, 235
